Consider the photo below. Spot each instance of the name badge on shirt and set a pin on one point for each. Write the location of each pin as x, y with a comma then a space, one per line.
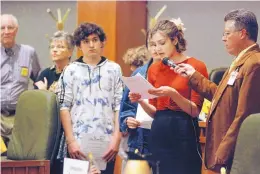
232, 78
24, 71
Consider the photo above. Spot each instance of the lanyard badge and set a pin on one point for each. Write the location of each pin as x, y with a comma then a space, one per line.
232, 77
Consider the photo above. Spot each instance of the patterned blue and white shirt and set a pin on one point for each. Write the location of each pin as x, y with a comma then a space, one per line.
92, 94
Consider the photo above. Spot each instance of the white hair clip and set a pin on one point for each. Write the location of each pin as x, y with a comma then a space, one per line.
178, 23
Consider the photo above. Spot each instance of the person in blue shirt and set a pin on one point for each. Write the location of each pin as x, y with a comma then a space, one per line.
129, 126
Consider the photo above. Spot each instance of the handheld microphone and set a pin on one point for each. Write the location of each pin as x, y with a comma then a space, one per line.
168, 62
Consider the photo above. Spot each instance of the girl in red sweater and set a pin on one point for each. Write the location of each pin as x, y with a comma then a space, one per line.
174, 133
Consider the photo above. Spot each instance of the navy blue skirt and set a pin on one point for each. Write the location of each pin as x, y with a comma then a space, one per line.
175, 143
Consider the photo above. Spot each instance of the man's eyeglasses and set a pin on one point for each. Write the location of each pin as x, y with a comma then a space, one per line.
227, 33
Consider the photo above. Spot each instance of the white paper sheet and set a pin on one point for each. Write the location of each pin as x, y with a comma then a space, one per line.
97, 144
143, 117
74, 166
138, 84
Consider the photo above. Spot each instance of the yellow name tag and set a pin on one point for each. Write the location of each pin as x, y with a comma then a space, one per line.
24, 71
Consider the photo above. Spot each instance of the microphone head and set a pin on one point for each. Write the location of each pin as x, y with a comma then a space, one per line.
168, 62
165, 61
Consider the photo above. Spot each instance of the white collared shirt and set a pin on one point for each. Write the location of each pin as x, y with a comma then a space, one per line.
243, 52
240, 55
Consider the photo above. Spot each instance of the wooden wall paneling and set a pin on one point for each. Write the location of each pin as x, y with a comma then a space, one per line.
131, 18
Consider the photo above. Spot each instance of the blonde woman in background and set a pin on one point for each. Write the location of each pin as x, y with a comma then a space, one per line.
136, 57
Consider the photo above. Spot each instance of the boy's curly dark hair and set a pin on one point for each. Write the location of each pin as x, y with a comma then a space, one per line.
86, 29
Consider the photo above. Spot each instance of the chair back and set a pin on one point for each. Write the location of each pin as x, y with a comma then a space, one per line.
216, 75
247, 151
37, 127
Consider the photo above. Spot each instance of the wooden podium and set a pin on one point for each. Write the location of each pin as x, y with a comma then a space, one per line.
24, 166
